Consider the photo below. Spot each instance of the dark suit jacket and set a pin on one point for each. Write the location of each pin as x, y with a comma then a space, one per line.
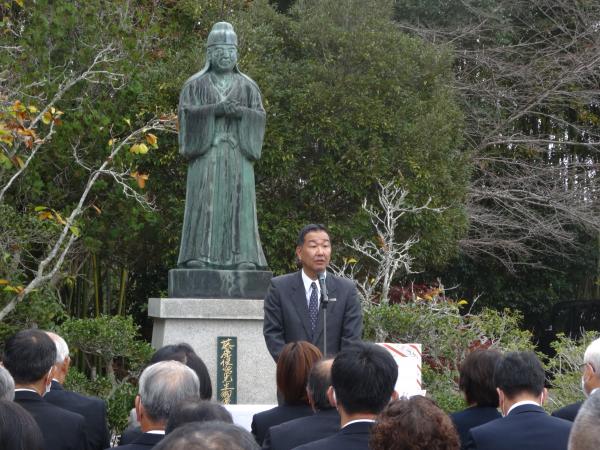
92, 409
62, 429
144, 442
527, 427
262, 421
568, 412
300, 431
472, 417
352, 437
287, 320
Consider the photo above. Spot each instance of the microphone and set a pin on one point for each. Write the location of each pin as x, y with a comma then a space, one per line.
323, 286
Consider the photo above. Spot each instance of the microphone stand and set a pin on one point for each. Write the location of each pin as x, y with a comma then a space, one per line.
324, 303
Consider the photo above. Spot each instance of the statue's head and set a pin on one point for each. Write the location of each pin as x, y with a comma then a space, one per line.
222, 47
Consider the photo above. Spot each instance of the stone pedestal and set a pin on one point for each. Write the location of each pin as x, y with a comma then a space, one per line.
199, 321
225, 284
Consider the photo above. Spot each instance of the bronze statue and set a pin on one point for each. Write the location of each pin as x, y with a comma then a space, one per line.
221, 130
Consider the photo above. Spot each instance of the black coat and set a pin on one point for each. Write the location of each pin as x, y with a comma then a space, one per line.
144, 442
472, 417
527, 427
568, 412
262, 421
352, 437
92, 409
300, 431
61, 429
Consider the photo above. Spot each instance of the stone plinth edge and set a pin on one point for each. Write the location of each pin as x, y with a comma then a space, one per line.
206, 308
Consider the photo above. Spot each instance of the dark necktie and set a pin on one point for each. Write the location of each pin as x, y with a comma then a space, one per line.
313, 306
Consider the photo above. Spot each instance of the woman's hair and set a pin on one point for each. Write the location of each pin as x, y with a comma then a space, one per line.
293, 367
185, 354
18, 429
197, 411
477, 378
413, 424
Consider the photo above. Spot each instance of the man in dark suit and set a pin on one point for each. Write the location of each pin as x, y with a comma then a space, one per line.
29, 356
324, 422
362, 383
92, 409
519, 378
162, 387
293, 307
590, 380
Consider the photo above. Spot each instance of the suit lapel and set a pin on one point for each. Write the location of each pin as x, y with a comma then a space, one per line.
299, 301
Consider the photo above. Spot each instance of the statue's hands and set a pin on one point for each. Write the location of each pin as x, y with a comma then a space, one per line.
229, 108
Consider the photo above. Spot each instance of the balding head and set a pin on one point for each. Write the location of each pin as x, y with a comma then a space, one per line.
162, 386
319, 381
585, 434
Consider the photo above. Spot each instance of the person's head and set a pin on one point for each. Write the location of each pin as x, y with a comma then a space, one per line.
313, 249
162, 386
477, 378
7, 385
208, 436
62, 361
519, 376
18, 429
415, 423
363, 379
222, 47
293, 367
590, 377
185, 354
318, 384
29, 356
585, 434
197, 411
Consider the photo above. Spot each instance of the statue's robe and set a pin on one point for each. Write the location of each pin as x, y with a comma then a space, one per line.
220, 229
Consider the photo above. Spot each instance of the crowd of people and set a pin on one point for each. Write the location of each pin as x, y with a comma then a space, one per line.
345, 402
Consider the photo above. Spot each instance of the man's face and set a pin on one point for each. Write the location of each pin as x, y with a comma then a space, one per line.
223, 57
314, 253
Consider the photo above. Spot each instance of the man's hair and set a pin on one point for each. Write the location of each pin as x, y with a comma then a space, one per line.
319, 381
29, 355
363, 377
18, 428
184, 353
165, 384
477, 377
414, 423
7, 385
197, 411
62, 349
585, 433
592, 356
519, 372
309, 229
208, 436
293, 367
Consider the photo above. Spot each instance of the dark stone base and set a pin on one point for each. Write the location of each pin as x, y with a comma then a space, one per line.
210, 283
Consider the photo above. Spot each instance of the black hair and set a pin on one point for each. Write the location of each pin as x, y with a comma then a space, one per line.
363, 377
211, 435
29, 355
477, 378
519, 372
309, 229
197, 411
319, 381
185, 354
18, 429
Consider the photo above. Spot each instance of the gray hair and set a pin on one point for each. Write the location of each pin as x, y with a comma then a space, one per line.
7, 385
212, 435
592, 355
62, 349
585, 433
165, 384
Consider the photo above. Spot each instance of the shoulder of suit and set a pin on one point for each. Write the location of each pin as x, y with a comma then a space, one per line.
65, 414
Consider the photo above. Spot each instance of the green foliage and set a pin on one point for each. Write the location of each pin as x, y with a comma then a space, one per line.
447, 334
565, 368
